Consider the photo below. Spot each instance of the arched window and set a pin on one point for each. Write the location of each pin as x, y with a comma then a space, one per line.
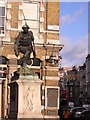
3, 67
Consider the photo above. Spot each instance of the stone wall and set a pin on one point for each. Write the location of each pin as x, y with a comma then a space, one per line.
48, 42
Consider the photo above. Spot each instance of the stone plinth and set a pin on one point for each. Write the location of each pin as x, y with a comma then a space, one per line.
0, 98
26, 97
29, 99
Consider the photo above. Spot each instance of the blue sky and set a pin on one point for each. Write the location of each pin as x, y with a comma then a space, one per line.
74, 32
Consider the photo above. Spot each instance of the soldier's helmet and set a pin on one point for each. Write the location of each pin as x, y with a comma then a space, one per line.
25, 26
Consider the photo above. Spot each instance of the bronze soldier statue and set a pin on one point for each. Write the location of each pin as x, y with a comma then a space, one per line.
25, 44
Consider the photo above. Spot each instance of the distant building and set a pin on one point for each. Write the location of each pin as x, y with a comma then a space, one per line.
82, 73
70, 80
63, 77
88, 74
73, 85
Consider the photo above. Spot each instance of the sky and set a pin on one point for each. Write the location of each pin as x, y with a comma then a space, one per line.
73, 32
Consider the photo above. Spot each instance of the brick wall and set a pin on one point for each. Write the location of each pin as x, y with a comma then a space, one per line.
52, 13
48, 11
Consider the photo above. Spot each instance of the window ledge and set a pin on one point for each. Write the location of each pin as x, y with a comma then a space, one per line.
2, 35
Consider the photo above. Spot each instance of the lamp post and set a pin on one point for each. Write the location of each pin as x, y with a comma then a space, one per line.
53, 58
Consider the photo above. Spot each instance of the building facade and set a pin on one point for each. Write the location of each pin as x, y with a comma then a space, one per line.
40, 18
88, 75
82, 73
73, 85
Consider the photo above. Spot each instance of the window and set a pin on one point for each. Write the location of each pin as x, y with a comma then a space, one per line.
3, 67
2, 17
32, 16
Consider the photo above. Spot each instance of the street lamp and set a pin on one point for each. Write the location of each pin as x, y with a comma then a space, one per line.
53, 59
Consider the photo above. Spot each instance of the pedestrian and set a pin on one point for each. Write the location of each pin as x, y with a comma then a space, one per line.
61, 113
65, 113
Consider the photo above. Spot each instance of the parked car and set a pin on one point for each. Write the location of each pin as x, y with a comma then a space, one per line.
75, 112
87, 106
85, 115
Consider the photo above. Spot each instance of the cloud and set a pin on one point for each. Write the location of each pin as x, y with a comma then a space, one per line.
67, 42
74, 54
68, 18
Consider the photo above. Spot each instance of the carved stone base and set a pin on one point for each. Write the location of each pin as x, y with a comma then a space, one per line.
29, 98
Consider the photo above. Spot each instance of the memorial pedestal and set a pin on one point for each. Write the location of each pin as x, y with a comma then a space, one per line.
0, 98
26, 97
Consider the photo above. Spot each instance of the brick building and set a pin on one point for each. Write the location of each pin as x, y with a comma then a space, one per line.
82, 73
78, 82
88, 75
84, 77
43, 19
73, 84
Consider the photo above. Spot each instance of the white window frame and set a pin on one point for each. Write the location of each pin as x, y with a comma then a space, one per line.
38, 16
53, 27
3, 4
